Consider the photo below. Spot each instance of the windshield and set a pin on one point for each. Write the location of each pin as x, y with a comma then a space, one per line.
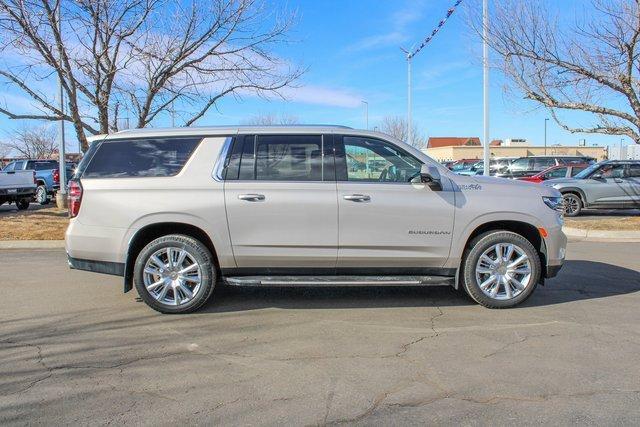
588, 171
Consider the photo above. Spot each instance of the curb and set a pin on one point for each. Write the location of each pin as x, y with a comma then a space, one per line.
31, 244
602, 235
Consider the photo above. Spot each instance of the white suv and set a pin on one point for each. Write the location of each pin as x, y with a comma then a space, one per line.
174, 210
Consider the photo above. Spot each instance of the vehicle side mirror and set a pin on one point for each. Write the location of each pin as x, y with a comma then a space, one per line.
596, 176
431, 176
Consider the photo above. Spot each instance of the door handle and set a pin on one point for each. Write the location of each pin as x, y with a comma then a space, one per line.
357, 198
251, 197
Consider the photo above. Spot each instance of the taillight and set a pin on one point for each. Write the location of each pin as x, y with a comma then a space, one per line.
75, 197
56, 176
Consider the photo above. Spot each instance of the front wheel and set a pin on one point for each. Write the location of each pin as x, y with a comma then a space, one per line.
501, 269
572, 204
174, 274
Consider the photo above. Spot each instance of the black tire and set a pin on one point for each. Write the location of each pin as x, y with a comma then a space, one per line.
476, 248
41, 195
198, 251
22, 204
572, 204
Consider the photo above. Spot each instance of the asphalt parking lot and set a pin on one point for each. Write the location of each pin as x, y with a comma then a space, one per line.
75, 350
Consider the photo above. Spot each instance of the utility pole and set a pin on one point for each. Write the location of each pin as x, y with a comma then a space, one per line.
61, 195
366, 113
485, 84
545, 136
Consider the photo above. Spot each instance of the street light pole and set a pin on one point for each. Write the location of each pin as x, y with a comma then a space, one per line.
366, 113
409, 107
61, 199
545, 136
485, 81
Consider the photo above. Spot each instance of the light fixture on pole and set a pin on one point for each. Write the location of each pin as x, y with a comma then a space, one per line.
485, 84
409, 54
545, 136
366, 113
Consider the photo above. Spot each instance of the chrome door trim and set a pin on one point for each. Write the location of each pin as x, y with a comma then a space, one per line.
219, 166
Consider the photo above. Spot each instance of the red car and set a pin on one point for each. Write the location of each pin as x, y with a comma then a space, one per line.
559, 171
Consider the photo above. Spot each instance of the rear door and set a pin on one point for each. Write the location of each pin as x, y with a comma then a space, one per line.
389, 223
280, 196
633, 180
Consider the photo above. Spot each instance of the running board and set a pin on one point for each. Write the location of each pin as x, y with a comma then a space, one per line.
340, 281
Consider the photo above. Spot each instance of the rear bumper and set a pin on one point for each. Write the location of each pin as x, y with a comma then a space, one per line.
17, 192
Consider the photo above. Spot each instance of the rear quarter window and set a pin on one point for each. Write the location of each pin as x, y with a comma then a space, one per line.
149, 157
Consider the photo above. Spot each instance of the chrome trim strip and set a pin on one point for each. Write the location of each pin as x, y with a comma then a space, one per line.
218, 168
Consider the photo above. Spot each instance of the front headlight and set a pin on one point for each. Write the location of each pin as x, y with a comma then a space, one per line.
555, 203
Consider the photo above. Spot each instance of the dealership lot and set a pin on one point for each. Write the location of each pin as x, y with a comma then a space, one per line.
74, 349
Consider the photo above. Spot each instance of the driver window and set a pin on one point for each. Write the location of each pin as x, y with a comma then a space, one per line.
370, 160
612, 171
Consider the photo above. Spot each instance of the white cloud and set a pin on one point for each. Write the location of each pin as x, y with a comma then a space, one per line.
320, 95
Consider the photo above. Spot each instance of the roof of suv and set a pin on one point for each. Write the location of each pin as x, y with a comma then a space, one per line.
227, 130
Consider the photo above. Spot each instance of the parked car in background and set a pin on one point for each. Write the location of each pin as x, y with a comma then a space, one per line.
47, 176
175, 210
612, 184
17, 187
460, 165
563, 171
529, 166
495, 166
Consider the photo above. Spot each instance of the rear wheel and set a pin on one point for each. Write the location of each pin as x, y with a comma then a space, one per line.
174, 274
41, 195
501, 269
22, 204
572, 204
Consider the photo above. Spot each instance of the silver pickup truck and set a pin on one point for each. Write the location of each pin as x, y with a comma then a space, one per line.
17, 187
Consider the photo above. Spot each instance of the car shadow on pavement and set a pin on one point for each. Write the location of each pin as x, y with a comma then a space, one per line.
578, 280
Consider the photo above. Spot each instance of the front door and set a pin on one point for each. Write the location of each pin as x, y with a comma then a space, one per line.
633, 180
607, 186
281, 204
389, 222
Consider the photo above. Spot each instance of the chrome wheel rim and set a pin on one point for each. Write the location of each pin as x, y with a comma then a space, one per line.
503, 271
571, 204
41, 194
172, 276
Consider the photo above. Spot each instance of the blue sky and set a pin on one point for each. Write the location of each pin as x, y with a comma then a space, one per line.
351, 49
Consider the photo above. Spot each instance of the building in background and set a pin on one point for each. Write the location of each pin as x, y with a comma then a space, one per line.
471, 148
629, 152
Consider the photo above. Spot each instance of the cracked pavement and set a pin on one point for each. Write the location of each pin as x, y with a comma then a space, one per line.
75, 350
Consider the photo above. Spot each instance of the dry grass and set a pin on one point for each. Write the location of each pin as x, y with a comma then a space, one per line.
37, 224
629, 223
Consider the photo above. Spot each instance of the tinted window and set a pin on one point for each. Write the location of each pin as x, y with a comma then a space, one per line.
10, 167
288, 158
140, 157
42, 165
543, 163
371, 160
612, 171
576, 170
634, 171
556, 173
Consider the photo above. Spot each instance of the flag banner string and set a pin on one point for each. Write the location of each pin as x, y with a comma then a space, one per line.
435, 31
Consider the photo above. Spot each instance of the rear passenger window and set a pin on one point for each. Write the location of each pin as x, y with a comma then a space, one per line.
288, 158
152, 157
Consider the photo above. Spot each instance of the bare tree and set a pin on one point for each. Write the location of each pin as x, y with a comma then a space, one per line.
271, 119
32, 142
396, 126
139, 57
591, 65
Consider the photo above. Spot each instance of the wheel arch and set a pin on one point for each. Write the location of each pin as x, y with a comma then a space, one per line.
525, 229
152, 231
